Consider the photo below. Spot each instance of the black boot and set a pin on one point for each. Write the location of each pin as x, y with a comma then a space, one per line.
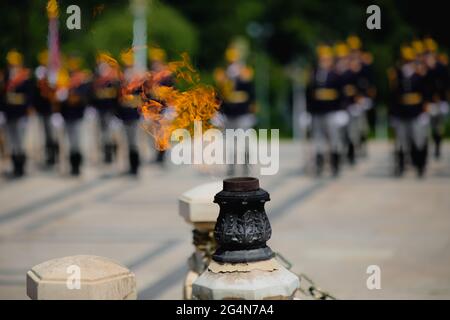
51, 154
363, 147
399, 163
18, 165
351, 154
108, 153
160, 156
335, 163
422, 155
75, 163
134, 162
319, 164
437, 147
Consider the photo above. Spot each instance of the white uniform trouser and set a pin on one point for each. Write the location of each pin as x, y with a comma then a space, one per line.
105, 122
438, 113
16, 134
414, 130
48, 131
358, 126
73, 130
327, 131
245, 122
131, 132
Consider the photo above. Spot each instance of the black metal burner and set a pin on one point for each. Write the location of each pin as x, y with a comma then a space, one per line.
242, 228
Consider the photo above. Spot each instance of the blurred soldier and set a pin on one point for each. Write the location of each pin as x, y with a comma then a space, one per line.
73, 90
408, 111
105, 98
361, 65
128, 112
437, 84
43, 99
17, 99
238, 98
2, 116
348, 78
323, 102
164, 77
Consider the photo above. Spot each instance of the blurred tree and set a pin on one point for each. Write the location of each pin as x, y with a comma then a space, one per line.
281, 32
105, 25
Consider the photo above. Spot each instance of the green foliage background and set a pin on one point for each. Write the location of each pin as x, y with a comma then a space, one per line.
289, 31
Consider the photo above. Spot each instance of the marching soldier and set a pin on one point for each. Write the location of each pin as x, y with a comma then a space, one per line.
43, 99
128, 112
106, 93
73, 90
438, 83
350, 94
238, 98
361, 65
323, 102
158, 66
17, 99
2, 116
408, 111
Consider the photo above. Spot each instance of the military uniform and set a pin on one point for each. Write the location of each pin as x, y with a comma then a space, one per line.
409, 117
354, 99
72, 103
437, 83
157, 58
361, 65
324, 103
43, 102
17, 98
238, 98
105, 98
127, 112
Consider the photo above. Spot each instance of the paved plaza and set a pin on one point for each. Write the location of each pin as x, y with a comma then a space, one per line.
330, 229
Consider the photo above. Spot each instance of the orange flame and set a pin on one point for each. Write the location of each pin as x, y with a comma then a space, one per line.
168, 108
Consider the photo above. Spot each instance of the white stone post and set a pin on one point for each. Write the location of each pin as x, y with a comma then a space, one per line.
196, 206
81, 277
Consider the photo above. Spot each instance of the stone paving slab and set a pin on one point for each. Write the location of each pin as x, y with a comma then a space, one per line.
331, 229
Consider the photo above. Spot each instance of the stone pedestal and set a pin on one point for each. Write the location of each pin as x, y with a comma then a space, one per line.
81, 277
243, 266
196, 206
248, 281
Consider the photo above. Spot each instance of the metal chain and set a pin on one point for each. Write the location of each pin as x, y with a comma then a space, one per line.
311, 289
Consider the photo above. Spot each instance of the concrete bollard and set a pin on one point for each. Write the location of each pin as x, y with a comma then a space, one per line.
196, 206
243, 266
81, 277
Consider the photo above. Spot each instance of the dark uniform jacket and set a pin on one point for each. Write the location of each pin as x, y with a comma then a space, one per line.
409, 95
324, 92
106, 94
74, 106
438, 82
240, 99
128, 105
17, 95
42, 97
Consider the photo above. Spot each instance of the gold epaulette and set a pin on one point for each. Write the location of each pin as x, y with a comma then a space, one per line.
412, 98
238, 97
15, 98
325, 94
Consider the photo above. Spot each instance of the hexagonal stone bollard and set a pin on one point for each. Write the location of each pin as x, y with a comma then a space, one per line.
81, 277
196, 206
243, 266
